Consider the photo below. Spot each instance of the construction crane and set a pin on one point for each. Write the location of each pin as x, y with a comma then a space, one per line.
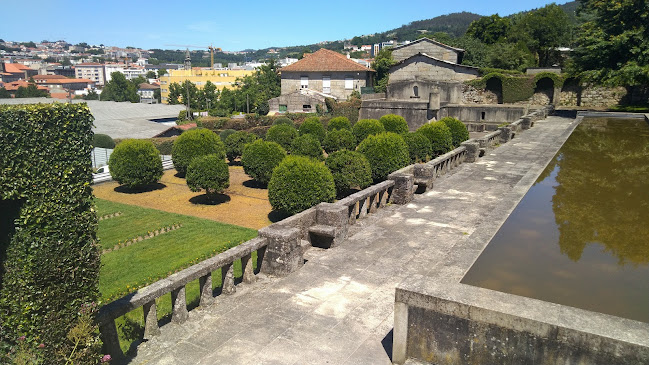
210, 47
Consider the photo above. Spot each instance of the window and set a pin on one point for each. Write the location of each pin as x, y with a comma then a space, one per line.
326, 84
304, 82
306, 107
282, 108
415, 91
349, 83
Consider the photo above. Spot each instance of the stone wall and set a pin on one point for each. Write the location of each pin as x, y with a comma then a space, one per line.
295, 102
591, 96
427, 47
291, 82
449, 92
471, 95
424, 68
416, 113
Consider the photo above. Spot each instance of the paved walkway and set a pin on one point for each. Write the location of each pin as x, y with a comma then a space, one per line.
338, 308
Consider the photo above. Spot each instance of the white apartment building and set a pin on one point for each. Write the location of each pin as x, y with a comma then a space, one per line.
92, 71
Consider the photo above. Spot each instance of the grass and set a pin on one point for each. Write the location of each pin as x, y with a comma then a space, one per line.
631, 108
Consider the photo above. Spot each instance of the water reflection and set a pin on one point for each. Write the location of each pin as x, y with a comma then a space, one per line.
580, 237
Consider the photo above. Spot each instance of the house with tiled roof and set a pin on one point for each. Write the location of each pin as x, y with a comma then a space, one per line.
324, 73
15, 71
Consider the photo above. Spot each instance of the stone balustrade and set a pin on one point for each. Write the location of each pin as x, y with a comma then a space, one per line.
426, 173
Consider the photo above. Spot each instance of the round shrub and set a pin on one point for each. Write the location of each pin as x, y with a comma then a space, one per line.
386, 152
226, 133
235, 142
307, 145
439, 135
313, 126
210, 173
419, 147
135, 163
339, 139
299, 183
284, 120
260, 157
282, 134
366, 127
102, 141
339, 123
394, 123
459, 132
350, 170
194, 143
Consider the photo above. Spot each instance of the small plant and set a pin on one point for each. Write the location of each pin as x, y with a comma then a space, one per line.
209, 173
439, 135
394, 123
339, 139
194, 143
459, 132
102, 141
339, 123
367, 127
226, 133
350, 170
135, 163
24, 352
260, 158
386, 153
299, 183
419, 147
307, 145
235, 142
282, 134
313, 126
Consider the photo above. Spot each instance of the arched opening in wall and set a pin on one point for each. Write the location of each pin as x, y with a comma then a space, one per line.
495, 86
9, 211
544, 91
415, 91
571, 92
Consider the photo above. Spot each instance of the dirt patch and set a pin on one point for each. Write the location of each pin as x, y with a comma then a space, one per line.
243, 203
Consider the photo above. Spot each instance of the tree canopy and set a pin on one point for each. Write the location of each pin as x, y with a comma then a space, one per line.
120, 89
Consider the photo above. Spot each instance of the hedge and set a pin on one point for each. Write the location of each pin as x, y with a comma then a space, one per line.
299, 183
339, 139
282, 134
283, 120
350, 170
260, 158
103, 141
194, 143
235, 142
339, 123
394, 123
366, 127
313, 126
307, 145
209, 172
50, 259
517, 87
226, 133
459, 132
419, 147
439, 135
135, 163
386, 153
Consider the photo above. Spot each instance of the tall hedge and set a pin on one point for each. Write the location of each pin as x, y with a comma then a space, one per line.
135, 163
260, 158
47, 246
386, 153
367, 127
459, 131
439, 135
394, 123
194, 143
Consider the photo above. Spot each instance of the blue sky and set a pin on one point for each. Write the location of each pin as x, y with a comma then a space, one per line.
231, 25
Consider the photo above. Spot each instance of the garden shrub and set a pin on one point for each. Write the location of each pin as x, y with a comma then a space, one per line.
307, 145
213, 123
102, 141
282, 134
163, 144
209, 172
339, 123
459, 131
260, 131
283, 120
135, 163
299, 183
350, 170
419, 147
313, 126
226, 133
394, 123
439, 135
339, 139
194, 143
50, 261
386, 153
260, 157
235, 142
366, 127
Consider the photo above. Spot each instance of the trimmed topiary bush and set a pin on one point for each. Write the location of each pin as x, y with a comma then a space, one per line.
135, 163
226, 133
284, 120
194, 143
260, 157
350, 170
313, 126
282, 134
235, 142
459, 132
307, 145
419, 147
386, 152
367, 127
439, 135
339, 139
299, 183
102, 141
339, 123
394, 123
210, 173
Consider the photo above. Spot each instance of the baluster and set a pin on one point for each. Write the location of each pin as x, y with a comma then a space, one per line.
363, 207
151, 328
179, 314
261, 252
352, 214
384, 198
374, 202
205, 284
108, 333
227, 274
247, 268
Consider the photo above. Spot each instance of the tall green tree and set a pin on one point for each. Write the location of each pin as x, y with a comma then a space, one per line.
4, 94
189, 91
382, 63
120, 89
208, 96
490, 29
161, 72
174, 93
150, 75
613, 45
31, 91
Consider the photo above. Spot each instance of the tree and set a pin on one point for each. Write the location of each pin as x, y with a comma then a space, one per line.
613, 46
382, 63
151, 75
4, 94
161, 72
208, 96
31, 91
92, 95
120, 89
510, 56
174, 93
490, 29
189, 91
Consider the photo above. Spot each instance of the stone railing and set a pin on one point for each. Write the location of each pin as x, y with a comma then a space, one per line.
426, 173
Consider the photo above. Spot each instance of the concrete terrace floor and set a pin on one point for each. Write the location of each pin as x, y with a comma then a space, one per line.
338, 308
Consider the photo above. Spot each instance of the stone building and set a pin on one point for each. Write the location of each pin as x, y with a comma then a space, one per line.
430, 47
317, 76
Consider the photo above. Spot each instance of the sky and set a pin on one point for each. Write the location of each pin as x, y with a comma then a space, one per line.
230, 25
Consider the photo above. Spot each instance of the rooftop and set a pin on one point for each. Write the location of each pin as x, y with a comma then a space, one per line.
325, 60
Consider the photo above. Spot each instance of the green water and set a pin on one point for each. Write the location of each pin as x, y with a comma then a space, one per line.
580, 236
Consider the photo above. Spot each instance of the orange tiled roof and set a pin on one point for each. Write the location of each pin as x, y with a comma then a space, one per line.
70, 81
16, 68
325, 60
89, 64
14, 85
49, 77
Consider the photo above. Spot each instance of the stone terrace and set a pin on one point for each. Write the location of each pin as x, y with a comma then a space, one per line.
338, 308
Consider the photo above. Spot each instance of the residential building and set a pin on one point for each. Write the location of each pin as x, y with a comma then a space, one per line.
92, 71
220, 78
15, 71
58, 81
13, 86
147, 93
